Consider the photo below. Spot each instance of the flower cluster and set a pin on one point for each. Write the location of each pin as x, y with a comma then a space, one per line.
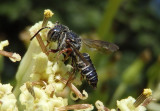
7, 98
129, 104
45, 89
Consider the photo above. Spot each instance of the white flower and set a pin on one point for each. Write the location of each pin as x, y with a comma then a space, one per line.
43, 100
3, 44
128, 105
7, 98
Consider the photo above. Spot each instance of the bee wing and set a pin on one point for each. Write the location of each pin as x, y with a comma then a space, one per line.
102, 46
79, 54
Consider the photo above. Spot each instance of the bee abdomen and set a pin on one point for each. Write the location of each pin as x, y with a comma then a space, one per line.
88, 71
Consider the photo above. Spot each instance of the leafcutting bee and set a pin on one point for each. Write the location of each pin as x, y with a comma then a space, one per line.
88, 71
70, 43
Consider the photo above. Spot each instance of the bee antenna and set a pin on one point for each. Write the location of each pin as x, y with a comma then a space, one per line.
39, 31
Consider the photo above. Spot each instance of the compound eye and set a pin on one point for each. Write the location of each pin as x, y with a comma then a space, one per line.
52, 36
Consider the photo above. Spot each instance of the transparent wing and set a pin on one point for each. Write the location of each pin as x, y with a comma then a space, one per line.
79, 54
102, 46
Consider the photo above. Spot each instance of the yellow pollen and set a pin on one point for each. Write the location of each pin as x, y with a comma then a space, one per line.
48, 13
147, 92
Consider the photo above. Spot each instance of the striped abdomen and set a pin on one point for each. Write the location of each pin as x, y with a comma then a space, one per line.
88, 71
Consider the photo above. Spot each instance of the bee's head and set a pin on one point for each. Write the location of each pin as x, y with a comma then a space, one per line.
55, 33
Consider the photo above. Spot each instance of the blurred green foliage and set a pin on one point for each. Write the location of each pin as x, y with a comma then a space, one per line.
132, 24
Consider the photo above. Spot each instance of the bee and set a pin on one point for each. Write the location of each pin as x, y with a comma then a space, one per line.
88, 71
70, 43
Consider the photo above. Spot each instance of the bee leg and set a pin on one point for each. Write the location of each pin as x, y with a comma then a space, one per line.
81, 77
67, 56
53, 50
63, 51
72, 74
70, 79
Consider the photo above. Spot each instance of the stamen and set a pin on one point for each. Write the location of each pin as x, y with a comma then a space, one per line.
3, 44
147, 101
47, 14
42, 44
75, 90
99, 105
30, 89
41, 83
75, 107
13, 56
85, 95
146, 93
